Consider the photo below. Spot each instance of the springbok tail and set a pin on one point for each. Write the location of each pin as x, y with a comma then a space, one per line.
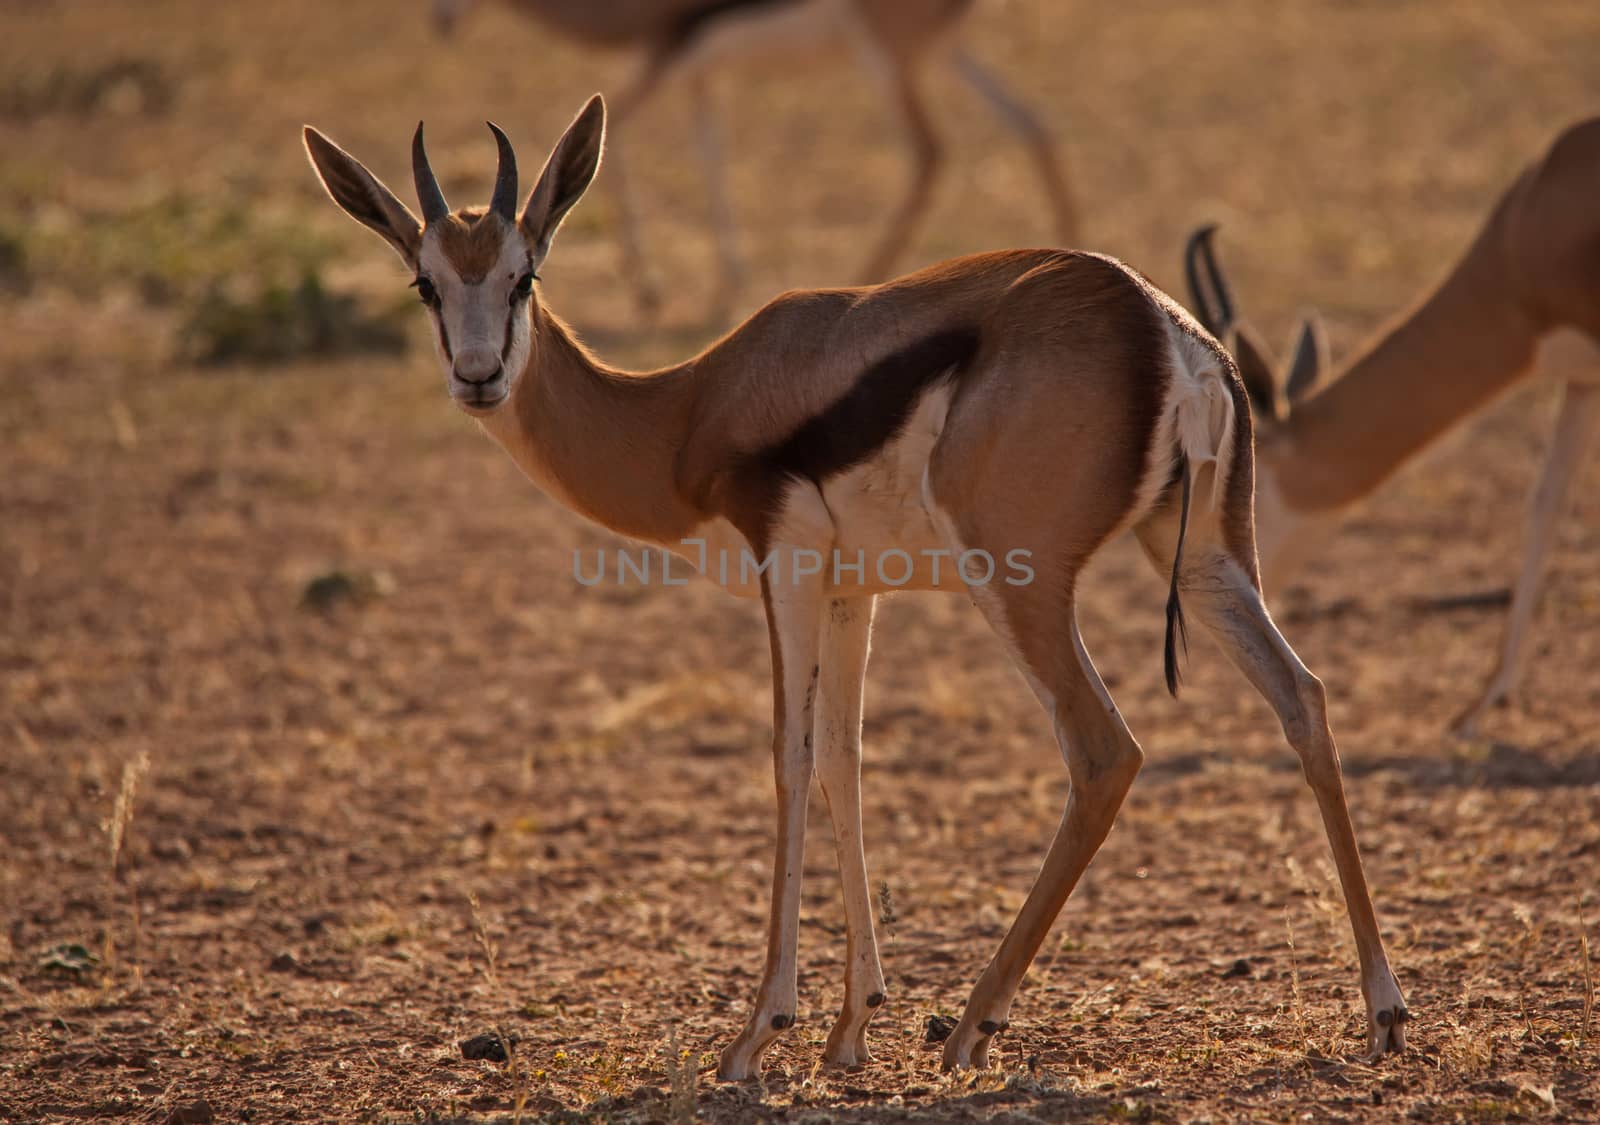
1177, 631
1204, 428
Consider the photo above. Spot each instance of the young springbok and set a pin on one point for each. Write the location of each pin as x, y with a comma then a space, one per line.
1025, 405
1525, 298
689, 39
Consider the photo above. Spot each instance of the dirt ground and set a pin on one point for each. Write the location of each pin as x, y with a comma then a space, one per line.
242, 836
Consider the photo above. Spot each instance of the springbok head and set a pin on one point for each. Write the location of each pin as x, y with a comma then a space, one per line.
1274, 387
476, 267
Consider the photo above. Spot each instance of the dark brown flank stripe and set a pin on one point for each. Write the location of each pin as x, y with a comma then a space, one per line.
872, 412
845, 433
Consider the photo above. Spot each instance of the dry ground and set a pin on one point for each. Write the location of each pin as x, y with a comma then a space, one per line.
285, 931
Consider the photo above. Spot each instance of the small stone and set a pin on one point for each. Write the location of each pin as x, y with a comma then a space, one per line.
283, 963
1240, 968
487, 1046
939, 1029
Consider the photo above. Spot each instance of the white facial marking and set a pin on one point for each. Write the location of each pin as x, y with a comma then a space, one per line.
485, 322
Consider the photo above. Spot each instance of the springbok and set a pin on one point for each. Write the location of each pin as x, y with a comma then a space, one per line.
1525, 298
1025, 404
688, 39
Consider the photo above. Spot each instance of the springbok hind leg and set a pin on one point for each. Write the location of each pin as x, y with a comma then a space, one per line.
1025, 123
646, 82
927, 159
719, 201
1218, 593
1102, 761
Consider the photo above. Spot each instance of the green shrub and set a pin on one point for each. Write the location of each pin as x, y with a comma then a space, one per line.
285, 323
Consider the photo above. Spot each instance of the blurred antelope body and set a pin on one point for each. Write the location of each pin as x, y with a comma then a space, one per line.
1525, 298
1033, 400
688, 39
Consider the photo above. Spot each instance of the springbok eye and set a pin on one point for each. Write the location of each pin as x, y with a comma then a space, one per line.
426, 291
524, 287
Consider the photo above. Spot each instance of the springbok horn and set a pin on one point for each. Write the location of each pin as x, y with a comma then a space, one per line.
504, 202
434, 207
1199, 252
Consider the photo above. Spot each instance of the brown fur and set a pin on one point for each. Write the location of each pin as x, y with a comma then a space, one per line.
1063, 389
675, 23
472, 239
708, 13
1066, 396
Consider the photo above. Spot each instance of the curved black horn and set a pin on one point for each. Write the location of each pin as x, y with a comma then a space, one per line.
434, 207
504, 202
1199, 253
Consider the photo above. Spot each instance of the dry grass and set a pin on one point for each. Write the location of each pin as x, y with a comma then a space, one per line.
592, 762
117, 833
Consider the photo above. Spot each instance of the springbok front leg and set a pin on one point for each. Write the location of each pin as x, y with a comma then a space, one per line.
846, 632
1218, 592
794, 615
1025, 124
1576, 426
1102, 760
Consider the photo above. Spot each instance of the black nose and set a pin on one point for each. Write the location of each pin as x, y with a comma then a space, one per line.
480, 379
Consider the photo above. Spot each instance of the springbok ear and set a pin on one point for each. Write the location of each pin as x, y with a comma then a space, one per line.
566, 176
363, 197
1310, 360
1258, 372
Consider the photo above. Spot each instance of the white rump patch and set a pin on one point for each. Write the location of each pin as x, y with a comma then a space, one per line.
1570, 356
1197, 419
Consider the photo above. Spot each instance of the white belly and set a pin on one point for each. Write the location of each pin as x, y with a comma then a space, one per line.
885, 537
870, 530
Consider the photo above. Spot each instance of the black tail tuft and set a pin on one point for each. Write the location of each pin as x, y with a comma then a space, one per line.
1177, 632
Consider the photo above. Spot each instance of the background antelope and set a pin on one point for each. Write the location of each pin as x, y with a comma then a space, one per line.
1037, 401
689, 39
1525, 298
